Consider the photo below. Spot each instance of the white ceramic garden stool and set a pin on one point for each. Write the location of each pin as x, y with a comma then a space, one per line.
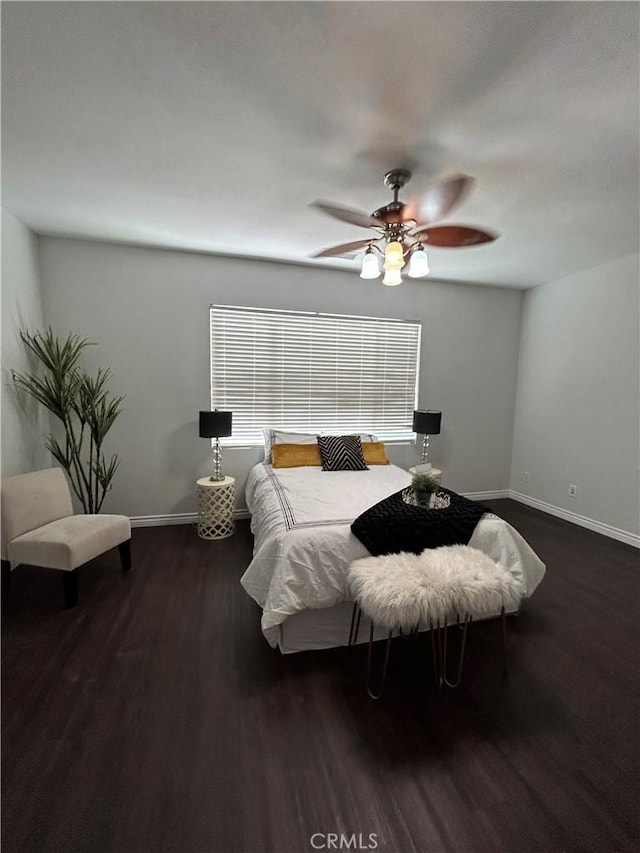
216, 502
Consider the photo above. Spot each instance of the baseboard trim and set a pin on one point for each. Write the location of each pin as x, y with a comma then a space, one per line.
625, 536
487, 496
177, 518
162, 520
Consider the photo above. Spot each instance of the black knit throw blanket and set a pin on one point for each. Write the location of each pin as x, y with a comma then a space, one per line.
392, 525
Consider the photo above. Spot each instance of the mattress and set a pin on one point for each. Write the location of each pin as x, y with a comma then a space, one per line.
303, 544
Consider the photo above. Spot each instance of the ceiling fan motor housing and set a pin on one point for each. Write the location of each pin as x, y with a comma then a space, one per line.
391, 213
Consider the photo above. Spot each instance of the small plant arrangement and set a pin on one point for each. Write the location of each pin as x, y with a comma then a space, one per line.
424, 485
84, 406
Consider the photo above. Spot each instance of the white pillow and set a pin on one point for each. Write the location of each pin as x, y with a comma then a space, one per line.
280, 436
364, 436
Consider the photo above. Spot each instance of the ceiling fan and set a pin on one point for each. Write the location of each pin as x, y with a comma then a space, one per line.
403, 228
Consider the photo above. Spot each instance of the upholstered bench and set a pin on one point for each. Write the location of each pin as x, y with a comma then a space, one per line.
404, 593
39, 528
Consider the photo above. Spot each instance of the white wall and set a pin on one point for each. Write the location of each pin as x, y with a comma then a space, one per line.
578, 395
24, 424
148, 311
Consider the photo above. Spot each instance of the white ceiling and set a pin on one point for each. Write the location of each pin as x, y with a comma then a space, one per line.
211, 126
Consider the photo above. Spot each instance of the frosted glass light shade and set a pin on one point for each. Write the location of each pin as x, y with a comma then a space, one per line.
419, 264
393, 256
392, 278
370, 268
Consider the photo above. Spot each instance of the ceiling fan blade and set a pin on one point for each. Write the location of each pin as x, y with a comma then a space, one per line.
451, 236
347, 214
343, 248
437, 200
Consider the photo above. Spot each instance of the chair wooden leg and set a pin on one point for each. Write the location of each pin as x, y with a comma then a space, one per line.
125, 555
71, 585
6, 576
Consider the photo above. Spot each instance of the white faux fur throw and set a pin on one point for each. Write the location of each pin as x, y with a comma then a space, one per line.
405, 590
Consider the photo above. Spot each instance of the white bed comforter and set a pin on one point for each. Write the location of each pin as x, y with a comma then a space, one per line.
301, 519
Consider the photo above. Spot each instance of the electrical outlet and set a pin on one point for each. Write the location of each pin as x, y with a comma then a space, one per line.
526, 477
572, 491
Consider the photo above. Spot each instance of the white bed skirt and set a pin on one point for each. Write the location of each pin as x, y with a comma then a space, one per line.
321, 629
311, 630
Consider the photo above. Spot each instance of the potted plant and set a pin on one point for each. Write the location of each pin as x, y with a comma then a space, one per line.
82, 404
424, 486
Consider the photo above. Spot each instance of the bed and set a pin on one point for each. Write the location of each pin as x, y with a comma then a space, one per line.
301, 519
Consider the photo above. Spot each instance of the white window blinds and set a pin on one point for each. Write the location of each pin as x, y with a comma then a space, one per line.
306, 371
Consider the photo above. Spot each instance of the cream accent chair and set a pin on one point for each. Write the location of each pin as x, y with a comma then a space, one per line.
39, 528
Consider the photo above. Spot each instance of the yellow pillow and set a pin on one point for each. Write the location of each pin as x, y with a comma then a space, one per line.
375, 453
295, 455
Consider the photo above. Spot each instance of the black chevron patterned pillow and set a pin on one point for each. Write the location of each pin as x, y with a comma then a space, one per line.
341, 453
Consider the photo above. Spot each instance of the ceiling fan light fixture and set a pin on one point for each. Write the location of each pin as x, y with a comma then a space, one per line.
419, 264
404, 227
394, 256
370, 267
392, 278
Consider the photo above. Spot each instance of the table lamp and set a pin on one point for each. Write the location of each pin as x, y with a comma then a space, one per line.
215, 424
426, 422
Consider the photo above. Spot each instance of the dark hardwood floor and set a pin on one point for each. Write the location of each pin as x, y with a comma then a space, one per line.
154, 717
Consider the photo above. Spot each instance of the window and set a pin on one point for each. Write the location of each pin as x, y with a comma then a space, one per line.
308, 371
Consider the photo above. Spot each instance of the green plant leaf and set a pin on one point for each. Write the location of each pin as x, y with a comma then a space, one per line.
80, 401
105, 471
62, 456
424, 483
58, 356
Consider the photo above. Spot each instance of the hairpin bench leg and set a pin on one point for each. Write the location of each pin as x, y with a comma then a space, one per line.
384, 665
463, 643
355, 624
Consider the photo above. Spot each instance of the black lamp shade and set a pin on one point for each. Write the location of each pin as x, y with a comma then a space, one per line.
215, 424
427, 422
